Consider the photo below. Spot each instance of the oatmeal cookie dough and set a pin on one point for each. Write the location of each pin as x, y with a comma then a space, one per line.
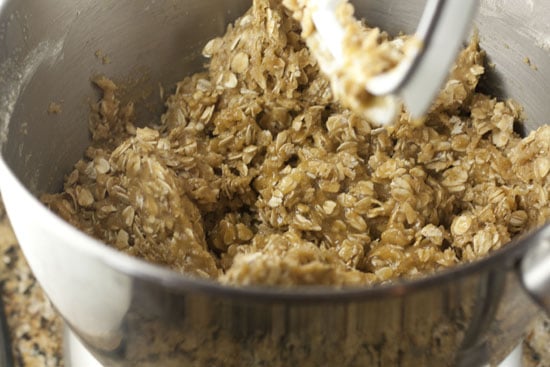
256, 174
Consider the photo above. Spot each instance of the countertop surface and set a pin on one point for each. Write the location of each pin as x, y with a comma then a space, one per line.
36, 329
34, 326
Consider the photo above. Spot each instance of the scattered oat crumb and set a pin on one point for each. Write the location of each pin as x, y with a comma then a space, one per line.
100, 55
528, 62
161, 91
24, 128
55, 108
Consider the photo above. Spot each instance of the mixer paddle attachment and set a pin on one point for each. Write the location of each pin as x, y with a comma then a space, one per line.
420, 66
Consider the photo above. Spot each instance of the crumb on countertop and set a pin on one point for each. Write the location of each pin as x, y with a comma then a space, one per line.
35, 328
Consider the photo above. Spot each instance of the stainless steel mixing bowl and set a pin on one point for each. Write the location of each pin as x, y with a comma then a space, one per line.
130, 313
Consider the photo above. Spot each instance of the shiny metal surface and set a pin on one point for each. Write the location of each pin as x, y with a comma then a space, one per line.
534, 270
443, 33
129, 313
443, 28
